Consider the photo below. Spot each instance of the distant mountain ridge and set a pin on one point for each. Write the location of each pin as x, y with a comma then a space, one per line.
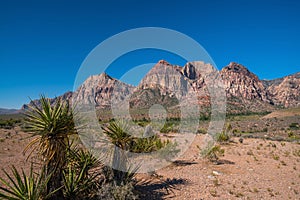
244, 90
5, 111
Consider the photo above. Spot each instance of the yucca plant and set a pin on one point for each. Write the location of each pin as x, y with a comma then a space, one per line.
50, 126
24, 187
82, 158
117, 131
78, 184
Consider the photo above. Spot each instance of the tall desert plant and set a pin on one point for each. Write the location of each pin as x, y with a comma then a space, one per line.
51, 126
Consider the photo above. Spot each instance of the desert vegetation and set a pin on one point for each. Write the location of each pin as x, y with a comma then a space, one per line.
65, 169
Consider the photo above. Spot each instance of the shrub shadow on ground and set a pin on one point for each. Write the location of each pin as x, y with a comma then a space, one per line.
157, 190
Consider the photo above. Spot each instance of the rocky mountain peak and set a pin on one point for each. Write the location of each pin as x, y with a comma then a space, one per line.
242, 84
167, 76
163, 62
234, 67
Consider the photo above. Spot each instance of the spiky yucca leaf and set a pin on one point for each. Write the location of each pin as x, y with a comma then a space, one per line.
117, 131
79, 184
52, 125
23, 187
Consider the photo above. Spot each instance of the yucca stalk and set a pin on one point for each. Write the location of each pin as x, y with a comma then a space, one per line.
50, 126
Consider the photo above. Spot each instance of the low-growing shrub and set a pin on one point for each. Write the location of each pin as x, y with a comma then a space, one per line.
222, 137
169, 126
294, 126
145, 145
212, 152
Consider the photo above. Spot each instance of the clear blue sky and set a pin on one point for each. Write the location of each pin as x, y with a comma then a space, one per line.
43, 43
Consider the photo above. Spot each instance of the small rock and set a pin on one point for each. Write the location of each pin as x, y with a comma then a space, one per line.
241, 140
211, 177
216, 173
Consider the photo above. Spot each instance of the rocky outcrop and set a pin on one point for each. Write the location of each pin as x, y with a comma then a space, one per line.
285, 91
242, 83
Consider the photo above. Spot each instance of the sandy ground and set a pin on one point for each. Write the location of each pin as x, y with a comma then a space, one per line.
254, 169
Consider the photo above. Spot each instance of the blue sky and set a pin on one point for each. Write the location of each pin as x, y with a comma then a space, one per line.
43, 43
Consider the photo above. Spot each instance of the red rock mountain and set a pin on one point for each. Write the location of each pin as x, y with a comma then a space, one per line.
165, 83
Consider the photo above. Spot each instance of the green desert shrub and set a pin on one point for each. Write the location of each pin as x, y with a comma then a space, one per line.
113, 191
118, 133
117, 185
291, 134
146, 145
222, 137
294, 126
9, 123
170, 126
212, 152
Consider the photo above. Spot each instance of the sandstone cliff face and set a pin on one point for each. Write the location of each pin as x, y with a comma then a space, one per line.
167, 77
286, 91
100, 90
188, 84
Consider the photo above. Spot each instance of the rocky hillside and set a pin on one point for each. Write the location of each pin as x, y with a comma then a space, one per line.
168, 84
285, 91
245, 91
